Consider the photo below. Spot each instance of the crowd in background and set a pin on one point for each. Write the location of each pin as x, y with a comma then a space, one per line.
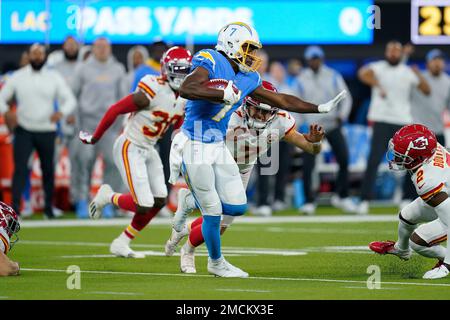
46, 102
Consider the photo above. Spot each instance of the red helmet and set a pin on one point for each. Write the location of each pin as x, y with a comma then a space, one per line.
265, 112
9, 221
410, 147
175, 66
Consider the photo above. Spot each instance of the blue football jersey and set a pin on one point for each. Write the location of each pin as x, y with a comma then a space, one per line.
204, 121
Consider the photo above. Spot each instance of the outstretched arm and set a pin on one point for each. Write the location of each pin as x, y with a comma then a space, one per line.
130, 103
292, 103
311, 142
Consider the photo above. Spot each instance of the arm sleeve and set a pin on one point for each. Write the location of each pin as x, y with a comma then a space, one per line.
123, 106
4, 242
6, 93
66, 99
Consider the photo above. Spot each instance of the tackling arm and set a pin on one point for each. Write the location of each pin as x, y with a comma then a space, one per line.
8, 267
311, 142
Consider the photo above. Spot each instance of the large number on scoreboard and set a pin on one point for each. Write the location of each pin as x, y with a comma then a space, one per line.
431, 26
161, 124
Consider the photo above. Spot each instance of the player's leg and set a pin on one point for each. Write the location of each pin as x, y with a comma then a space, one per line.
195, 230
410, 216
426, 241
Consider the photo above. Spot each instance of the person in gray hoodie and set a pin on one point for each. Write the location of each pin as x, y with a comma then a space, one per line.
136, 56
98, 84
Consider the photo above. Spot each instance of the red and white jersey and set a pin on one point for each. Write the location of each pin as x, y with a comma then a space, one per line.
434, 175
4, 241
145, 127
246, 144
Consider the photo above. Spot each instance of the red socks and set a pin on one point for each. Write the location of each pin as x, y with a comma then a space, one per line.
196, 235
124, 201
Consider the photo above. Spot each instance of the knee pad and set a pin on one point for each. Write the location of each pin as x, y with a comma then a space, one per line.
234, 209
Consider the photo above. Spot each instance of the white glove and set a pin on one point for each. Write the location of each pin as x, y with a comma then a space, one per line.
229, 96
330, 105
85, 137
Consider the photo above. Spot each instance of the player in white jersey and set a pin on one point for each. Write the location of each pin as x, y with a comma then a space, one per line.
154, 106
9, 226
253, 128
424, 223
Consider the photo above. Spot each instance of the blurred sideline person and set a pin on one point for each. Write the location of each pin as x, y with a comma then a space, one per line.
66, 66
424, 224
9, 226
98, 84
155, 105
136, 57
36, 89
277, 76
253, 128
428, 110
318, 83
392, 84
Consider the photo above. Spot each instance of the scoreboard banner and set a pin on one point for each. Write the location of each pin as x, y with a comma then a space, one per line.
430, 21
198, 21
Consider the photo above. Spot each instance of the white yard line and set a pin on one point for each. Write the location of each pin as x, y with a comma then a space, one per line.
156, 274
240, 220
115, 293
354, 287
243, 290
202, 251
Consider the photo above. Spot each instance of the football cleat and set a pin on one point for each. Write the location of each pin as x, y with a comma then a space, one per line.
222, 268
101, 199
179, 219
187, 261
389, 247
121, 249
175, 238
439, 271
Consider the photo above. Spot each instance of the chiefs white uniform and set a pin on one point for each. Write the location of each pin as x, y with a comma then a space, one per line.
432, 177
4, 241
134, 154
244, 144
247, 145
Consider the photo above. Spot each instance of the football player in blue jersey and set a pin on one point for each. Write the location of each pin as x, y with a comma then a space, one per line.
207, 166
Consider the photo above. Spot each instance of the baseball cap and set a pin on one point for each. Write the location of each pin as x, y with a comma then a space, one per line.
312, 52
435, 53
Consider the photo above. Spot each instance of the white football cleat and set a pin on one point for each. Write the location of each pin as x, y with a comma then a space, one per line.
263, 211
345, 204
121, 249
179, 219
101, 199
222, 268
436, 273
363, 208
308, 208
187, 261
174, 240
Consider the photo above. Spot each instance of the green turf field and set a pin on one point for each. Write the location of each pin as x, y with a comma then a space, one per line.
292, 260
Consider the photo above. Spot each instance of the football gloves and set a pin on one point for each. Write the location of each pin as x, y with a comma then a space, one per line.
330, 105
